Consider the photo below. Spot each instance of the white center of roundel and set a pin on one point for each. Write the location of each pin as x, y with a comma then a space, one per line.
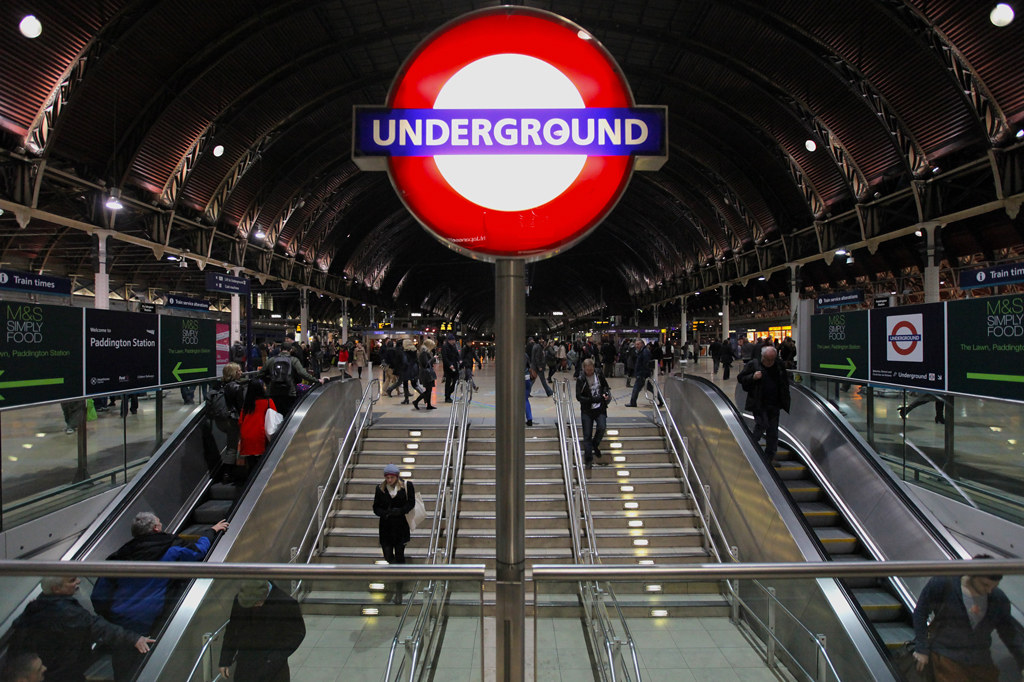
510, 182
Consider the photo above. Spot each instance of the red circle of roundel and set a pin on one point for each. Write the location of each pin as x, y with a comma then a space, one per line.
543, 230
903, 324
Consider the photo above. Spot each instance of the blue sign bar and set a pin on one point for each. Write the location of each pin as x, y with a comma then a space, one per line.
1012, 273
590, 131
219, 281
840, 298
15, 280
187, 303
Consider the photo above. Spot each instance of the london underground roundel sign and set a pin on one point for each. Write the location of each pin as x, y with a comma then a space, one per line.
510, 132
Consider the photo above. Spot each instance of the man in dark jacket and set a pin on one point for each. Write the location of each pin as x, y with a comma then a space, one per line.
451, 360
281, 374
137, 603
593, 394
957, 643
537, 364
58, 628
266, 627
641, 370
767, 385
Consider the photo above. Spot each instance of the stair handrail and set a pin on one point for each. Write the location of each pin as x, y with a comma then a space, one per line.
346, 451
705, 508
595, 606
422, 636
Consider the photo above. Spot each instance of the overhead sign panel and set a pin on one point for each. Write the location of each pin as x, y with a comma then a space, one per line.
840, 298
986, 339
40, 353
121, 351
174, 301
1011, 273
510, 132
15, 280
219, 281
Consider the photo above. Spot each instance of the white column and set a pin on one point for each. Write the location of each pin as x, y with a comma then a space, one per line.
304, 314
236, 312
684, 324
102, 278
931, 268
794, 299
344, 320
725, 311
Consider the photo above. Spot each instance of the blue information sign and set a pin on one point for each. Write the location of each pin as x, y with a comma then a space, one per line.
15, 280
187, 303
1011, 273
838, 298
220, 281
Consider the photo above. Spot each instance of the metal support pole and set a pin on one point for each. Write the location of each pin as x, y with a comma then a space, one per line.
771, 630
822, 659
510, 469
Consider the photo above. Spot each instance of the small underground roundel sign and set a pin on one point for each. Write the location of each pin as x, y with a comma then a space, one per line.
510, 133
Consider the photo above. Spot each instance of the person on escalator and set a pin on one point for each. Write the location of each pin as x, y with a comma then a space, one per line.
252, 441
137, 604
957, 643
767, 385
392, 500
266, 627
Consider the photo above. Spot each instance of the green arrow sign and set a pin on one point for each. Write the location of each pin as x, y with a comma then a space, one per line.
849, 366
25, 383
1014, 378
178, 371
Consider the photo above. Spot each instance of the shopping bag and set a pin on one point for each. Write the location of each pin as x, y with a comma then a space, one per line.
418, 514
90, 410
272, 422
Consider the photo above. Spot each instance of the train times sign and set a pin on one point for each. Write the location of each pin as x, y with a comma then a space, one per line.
510, 132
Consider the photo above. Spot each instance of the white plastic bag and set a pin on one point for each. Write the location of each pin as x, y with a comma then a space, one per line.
418, 514
272, 422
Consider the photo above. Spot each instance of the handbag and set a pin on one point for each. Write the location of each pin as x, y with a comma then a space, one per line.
906, 665
418, 514
272, 422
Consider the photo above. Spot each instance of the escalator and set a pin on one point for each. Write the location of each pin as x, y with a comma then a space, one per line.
831, 498
181, 485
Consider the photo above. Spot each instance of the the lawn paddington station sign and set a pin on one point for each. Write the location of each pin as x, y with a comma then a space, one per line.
510, 132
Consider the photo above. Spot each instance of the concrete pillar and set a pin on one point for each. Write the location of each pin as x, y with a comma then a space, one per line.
344, 320
794, 298
236, 312
102, 278
725, 311
684, 323
931, 266
304, 314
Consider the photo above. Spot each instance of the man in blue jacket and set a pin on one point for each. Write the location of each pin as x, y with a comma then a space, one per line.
136, 603
957, 643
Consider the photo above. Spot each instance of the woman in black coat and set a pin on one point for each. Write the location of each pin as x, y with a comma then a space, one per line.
392, 500
427, 375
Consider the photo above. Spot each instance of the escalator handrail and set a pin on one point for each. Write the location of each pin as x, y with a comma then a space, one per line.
705, 509
364, 412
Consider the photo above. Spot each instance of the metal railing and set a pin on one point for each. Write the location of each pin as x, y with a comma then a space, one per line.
594, 597
420, 644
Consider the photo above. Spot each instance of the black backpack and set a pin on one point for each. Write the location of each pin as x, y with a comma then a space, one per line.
217, 409
282, 376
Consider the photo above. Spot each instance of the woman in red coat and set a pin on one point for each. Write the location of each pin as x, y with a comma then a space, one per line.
252, 440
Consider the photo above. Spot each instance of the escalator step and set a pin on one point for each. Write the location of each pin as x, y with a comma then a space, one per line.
193, 531
894, 634
803, 490
212, 511
836, 540
224, 491
819, 514
879, 604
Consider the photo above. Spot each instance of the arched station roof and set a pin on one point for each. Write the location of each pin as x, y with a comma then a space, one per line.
914, 109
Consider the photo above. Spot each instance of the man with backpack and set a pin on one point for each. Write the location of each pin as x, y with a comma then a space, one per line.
280, 374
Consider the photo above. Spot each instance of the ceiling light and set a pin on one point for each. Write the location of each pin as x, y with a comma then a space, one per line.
810, 145
849, 259
1001, 15
761, 278
1020, 133
275, 316
30, 27
260, 234
840, 252
171, 257
218, 151
918, 233
114, 200
935, 169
